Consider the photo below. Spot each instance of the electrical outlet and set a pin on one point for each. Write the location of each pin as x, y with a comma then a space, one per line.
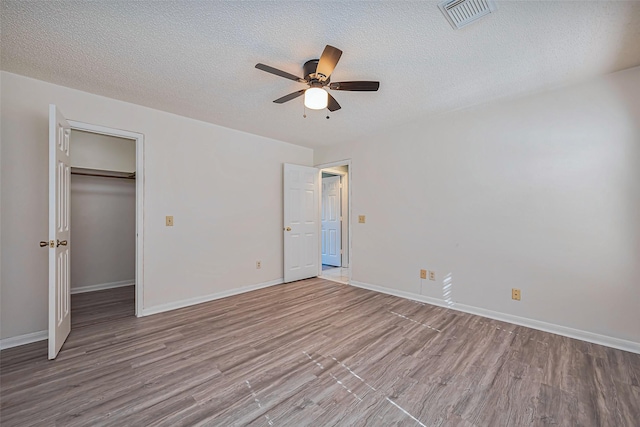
423, 274
515, 294
361, 219
258, 264
169, 220
432, 275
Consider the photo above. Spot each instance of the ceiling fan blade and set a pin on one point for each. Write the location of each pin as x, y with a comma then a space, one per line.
330, 57
289, 97
363, 86
277, 72
333, 104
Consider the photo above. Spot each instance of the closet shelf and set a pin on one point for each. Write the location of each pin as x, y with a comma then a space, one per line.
103, 173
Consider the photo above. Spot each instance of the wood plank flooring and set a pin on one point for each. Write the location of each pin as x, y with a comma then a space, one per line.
314, 353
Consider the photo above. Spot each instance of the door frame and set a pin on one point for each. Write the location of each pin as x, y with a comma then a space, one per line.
139, 138
347, 163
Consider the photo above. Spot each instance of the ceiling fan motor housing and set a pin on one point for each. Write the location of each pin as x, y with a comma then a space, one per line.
309, 68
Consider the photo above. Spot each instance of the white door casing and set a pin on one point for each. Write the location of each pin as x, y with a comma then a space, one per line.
331, 223
301, 222
59, 231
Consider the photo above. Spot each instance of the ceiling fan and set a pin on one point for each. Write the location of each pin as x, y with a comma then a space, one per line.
317, 74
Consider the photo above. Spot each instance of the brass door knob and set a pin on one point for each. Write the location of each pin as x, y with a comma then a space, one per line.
61, 243
288, 229
43, 244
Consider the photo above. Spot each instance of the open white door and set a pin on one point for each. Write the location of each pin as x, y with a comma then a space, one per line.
331, 224
301, 222
59, 235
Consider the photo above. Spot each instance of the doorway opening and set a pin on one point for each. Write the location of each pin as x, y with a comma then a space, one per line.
103, 224
106, 223
335, 215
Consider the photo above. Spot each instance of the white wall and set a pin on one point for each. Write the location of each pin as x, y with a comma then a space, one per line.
103, 224
541, 194
104, 152
223, 187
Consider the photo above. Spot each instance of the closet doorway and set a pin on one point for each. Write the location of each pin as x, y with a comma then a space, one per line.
105, 223
335, 222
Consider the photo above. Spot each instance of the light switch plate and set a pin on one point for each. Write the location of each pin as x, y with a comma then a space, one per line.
169, 220
361, 219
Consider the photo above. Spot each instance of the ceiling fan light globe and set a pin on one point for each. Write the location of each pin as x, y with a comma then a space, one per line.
316, 98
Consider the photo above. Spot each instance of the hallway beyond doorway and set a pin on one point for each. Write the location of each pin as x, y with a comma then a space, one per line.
335, 274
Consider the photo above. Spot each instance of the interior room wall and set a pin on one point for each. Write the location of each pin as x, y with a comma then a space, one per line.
104, 152
223, 187
103, 222
540, 193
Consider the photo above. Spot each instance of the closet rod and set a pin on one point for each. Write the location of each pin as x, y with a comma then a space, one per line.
130, 176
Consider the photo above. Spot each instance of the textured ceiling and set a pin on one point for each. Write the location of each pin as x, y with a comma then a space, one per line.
197, 58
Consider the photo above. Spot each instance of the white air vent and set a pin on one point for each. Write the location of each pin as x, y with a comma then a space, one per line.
460, 13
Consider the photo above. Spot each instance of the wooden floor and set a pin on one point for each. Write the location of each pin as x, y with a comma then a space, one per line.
314, 353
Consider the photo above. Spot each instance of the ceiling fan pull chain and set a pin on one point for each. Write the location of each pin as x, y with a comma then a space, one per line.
304, 111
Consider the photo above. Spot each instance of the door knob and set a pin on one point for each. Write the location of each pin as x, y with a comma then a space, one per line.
61, 243
288, 229
43, 244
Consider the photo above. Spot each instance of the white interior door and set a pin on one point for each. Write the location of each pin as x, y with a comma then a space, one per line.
59, 233
331, 224
301, 222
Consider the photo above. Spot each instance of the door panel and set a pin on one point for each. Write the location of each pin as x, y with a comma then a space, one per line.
331, 224
59, 231
301, 222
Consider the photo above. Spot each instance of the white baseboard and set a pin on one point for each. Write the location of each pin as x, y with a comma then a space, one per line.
23, 339
578, 334
102, 286
206, 298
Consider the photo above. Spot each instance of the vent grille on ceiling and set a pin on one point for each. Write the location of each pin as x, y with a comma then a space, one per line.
460, 13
